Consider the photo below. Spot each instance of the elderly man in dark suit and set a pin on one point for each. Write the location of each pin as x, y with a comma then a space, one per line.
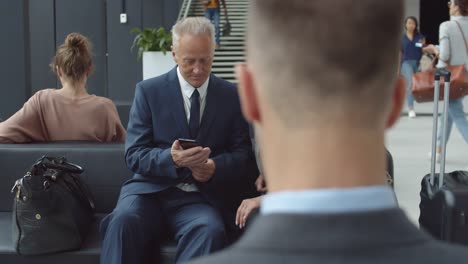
190, 193
319, 85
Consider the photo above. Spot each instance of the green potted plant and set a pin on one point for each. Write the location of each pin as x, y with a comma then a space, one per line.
153, 45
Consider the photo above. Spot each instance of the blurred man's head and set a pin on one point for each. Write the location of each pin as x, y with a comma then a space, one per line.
325, 59
321, 63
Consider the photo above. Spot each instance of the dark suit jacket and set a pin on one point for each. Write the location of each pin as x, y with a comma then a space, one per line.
157, 119
380, 237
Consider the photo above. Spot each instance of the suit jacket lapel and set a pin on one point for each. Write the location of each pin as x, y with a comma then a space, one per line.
176, 103
209, 114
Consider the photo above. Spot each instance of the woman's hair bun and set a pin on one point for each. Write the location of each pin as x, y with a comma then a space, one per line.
76, 40
74, 57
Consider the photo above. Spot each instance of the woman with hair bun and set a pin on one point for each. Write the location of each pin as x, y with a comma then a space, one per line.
68, 113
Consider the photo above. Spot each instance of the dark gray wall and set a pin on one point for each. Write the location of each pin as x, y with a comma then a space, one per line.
13, 63
87, 17
124, 71
123, 68
34, 28
42, 47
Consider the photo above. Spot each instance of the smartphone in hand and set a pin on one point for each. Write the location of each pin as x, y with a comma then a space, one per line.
188, 143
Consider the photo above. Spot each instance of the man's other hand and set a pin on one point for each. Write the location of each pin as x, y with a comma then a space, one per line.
189, 157
203, 172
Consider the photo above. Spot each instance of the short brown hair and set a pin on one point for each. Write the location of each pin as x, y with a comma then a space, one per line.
337, 54
74, 57
463, 6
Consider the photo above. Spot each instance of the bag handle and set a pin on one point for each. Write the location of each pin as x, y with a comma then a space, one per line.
81, 190
62, 164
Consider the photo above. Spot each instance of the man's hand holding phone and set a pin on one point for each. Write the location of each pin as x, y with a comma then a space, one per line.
194, 156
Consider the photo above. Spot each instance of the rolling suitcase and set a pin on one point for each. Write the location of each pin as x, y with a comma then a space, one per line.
444, 196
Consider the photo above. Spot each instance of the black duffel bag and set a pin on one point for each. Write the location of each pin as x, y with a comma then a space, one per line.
53, 209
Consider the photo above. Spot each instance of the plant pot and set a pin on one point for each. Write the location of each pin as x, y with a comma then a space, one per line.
155, 63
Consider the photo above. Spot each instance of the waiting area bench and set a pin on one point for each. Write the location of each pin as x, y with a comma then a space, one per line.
105, 172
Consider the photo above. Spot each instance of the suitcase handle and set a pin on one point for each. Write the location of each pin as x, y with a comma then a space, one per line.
446, 74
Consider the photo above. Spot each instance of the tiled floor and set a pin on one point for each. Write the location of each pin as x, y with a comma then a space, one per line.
410, 142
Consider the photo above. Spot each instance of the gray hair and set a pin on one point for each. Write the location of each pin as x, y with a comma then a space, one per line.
192, 25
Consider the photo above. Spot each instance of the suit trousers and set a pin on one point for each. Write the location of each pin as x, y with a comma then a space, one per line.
140, 220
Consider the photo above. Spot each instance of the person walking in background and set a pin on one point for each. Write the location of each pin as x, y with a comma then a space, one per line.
212, 12
68, 113
412, 43
453, 50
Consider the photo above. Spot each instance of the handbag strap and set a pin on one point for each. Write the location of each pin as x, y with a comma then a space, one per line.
464, 40
58, 164
80, 189
463, 35
71, 180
